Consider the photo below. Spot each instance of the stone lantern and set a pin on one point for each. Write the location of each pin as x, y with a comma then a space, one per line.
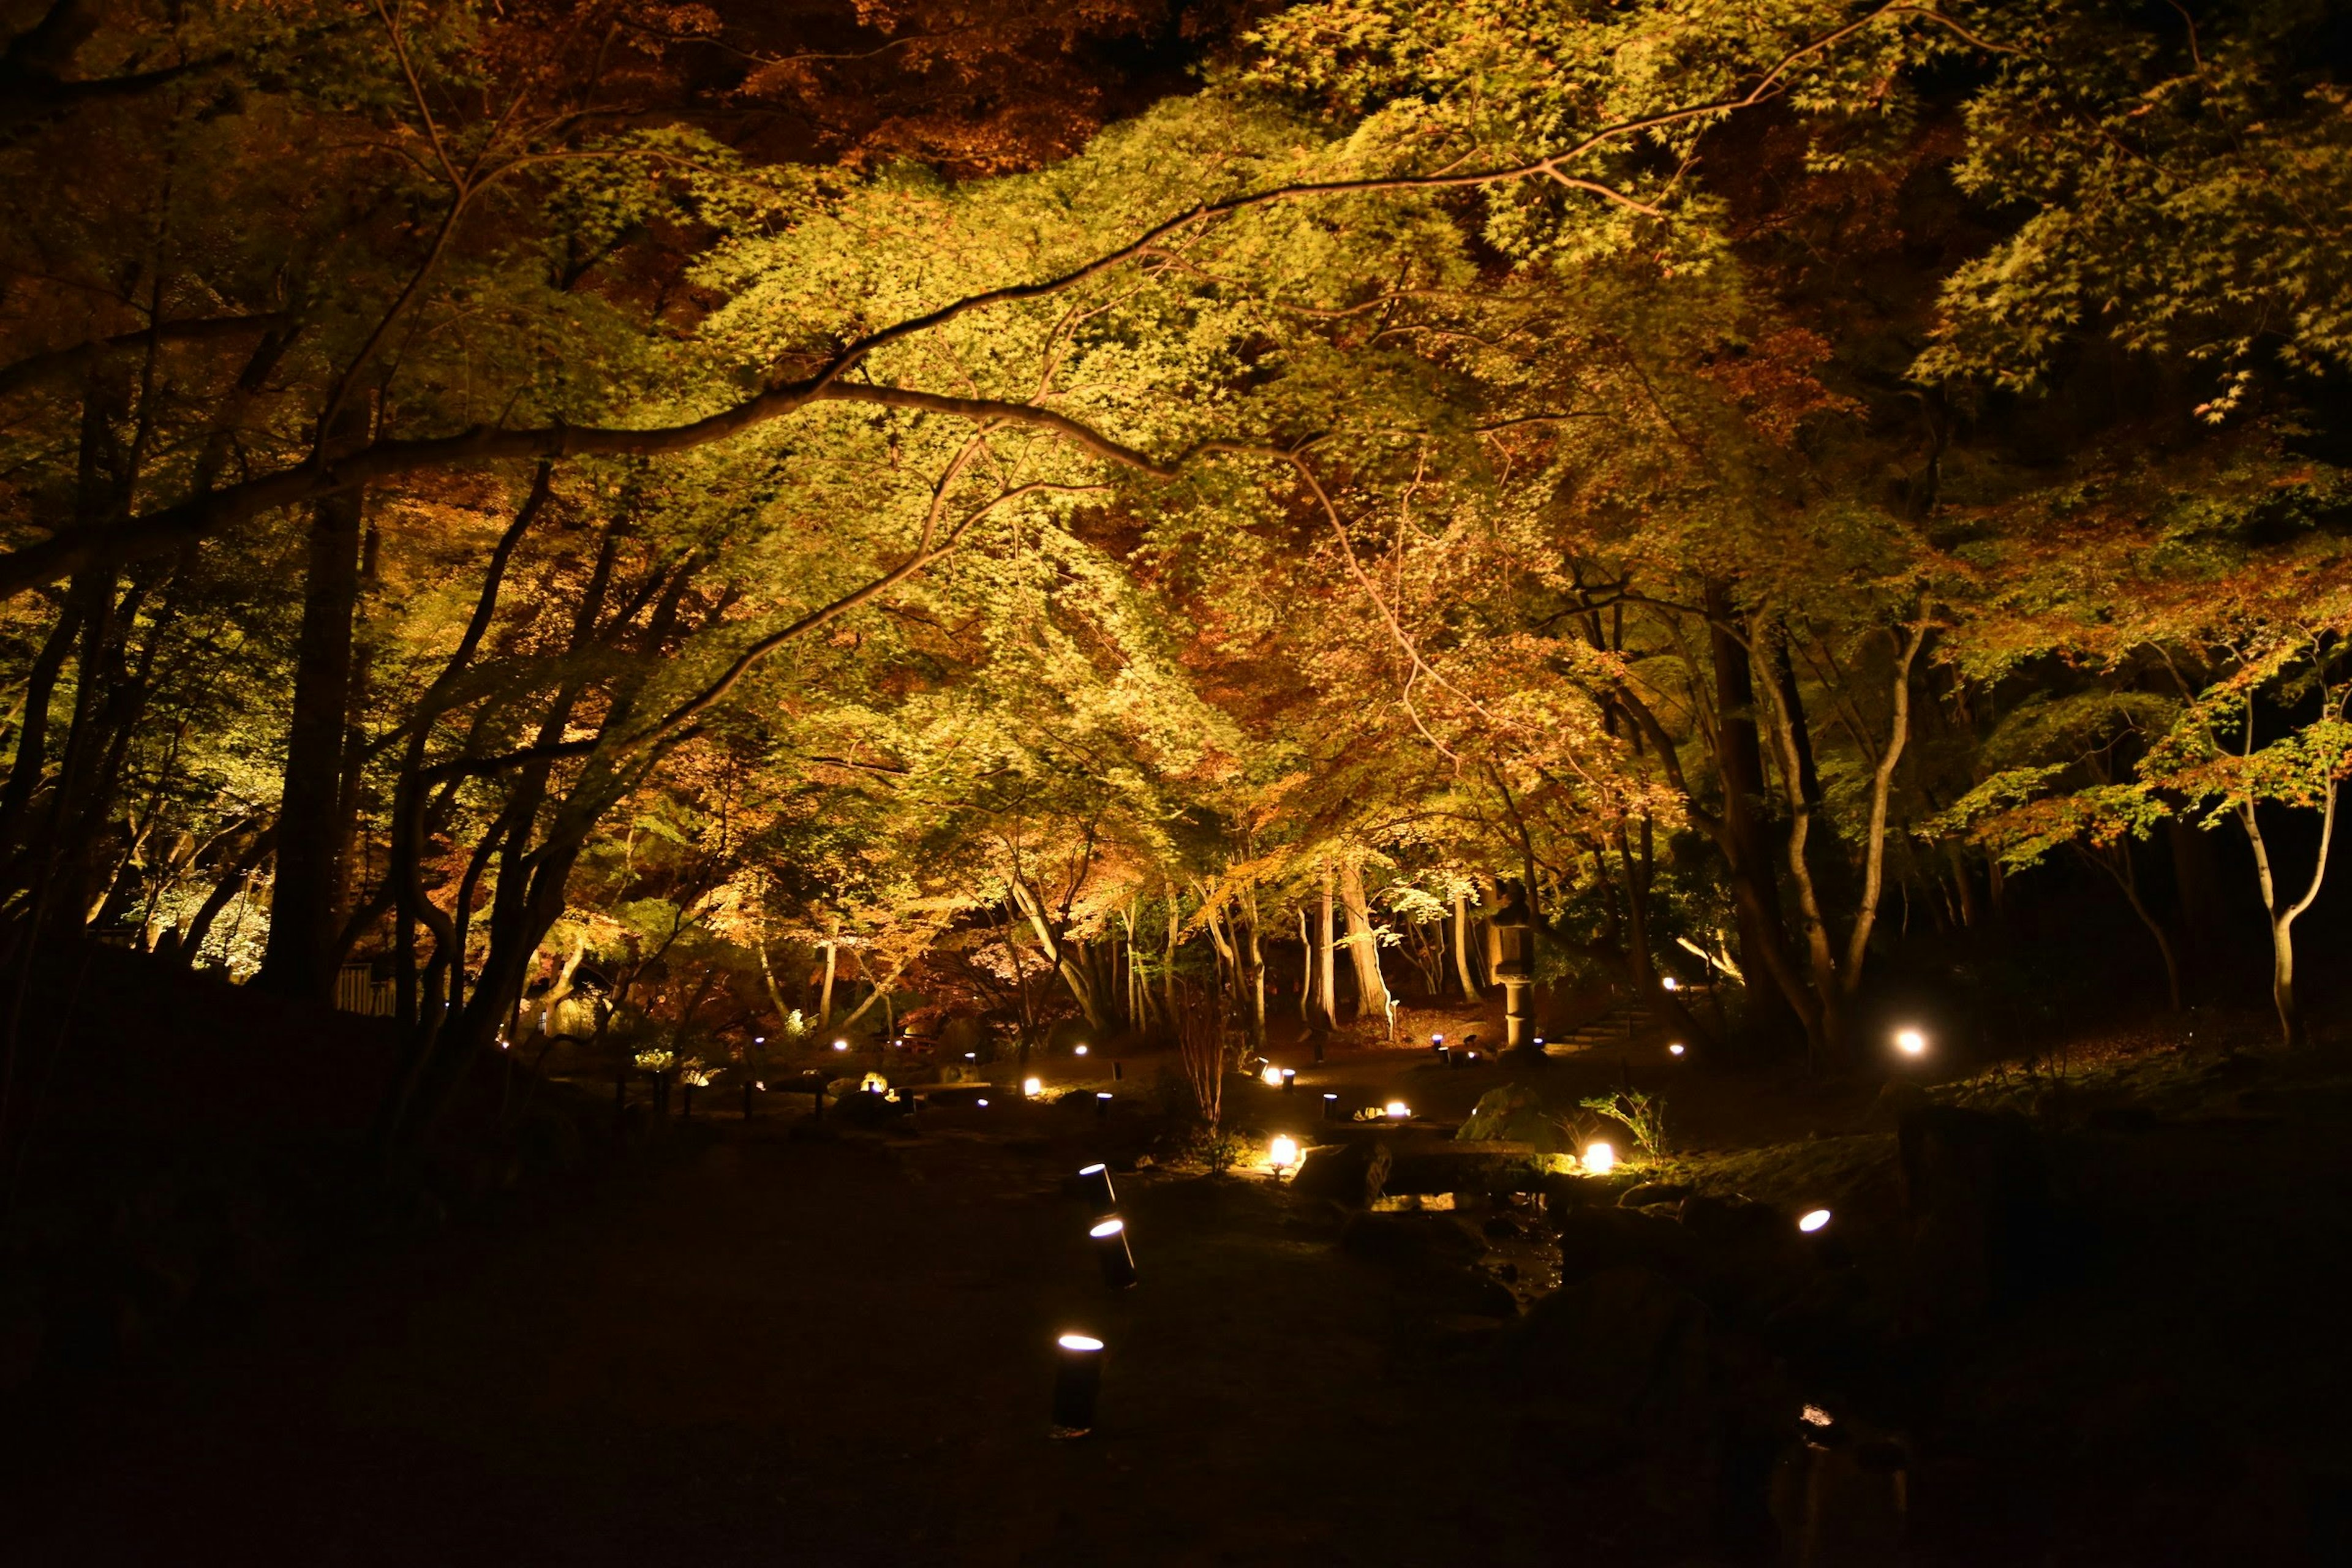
1515, 963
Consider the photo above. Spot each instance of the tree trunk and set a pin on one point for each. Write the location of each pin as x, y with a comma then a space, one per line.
1327, 959
310, 824
1363, 948
1740, 763
1462, 947
832, 967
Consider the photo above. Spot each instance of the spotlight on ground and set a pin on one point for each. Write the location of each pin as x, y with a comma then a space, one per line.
1282, 1155
1032, 1087
1600, 1159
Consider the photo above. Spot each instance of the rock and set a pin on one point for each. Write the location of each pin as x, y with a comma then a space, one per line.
1354, 1173
1750, 1254
1404, 1240
1629, 1344
1594, 1240
1651, 1193
1976, 1190
1512, 1114
1897, 1098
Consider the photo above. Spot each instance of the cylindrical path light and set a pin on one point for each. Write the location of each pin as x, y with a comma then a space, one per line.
1289, 1080
1077, 1381
1330, 1107
1093, 1185
1111, 1251
1102, 1106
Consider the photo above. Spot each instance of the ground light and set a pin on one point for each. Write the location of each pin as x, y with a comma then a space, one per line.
1080, 1052
1030, 1087
1281, 1155
1271, 1076
1397, 1110
1675, 1049
1077, 1380
1814, 1221
1672, 983
1093, 1185
1330, 1107
1102, 1105
1911, 1042
841, 1045
1111, 1251
1289, 1080
1600, 1159
981, 1104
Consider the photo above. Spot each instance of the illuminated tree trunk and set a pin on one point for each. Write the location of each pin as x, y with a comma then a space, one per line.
1255, 952
832, 945
1373, 998
1462, 947
1168, 980
1326, 958
2282, 920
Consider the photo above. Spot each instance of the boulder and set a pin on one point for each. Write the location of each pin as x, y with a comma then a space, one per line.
1649, 1194
1594, 1240
1749, 1254
1983, 1229
1512, 1114
1627, 1343
1353, 1174
1409, 1241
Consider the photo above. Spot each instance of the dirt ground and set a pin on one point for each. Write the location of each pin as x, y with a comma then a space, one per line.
745, 1345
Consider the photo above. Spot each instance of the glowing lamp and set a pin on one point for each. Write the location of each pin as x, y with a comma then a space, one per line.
1093, 1185
1282, 1154
1112, 1252
1672, 983
1397, 1110
1330, 1107
1271, 1076
841, 1045
1289, 1080
1080, 1051
1911, 1042
1030, 1087
1077, 1380
981, 1104
1102, 1106
1600, 1159
1814, 1221
1675, 1049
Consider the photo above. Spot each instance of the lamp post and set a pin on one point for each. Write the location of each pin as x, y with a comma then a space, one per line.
1077, 1381
1112, 1252
1093, 1185
1330, 1107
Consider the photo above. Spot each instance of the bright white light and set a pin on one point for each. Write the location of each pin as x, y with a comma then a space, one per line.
1437, 1039
1271, 1078
1675, 1049
1282, 1154
981, 1104
1078, 1342
1397, 1110
1032, 1087
1673, 983
1911, 1042
841, 1045
1081, 1050
760, 1087
1600, 1159
1107, 1228
1814, 1221
1096, 1169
